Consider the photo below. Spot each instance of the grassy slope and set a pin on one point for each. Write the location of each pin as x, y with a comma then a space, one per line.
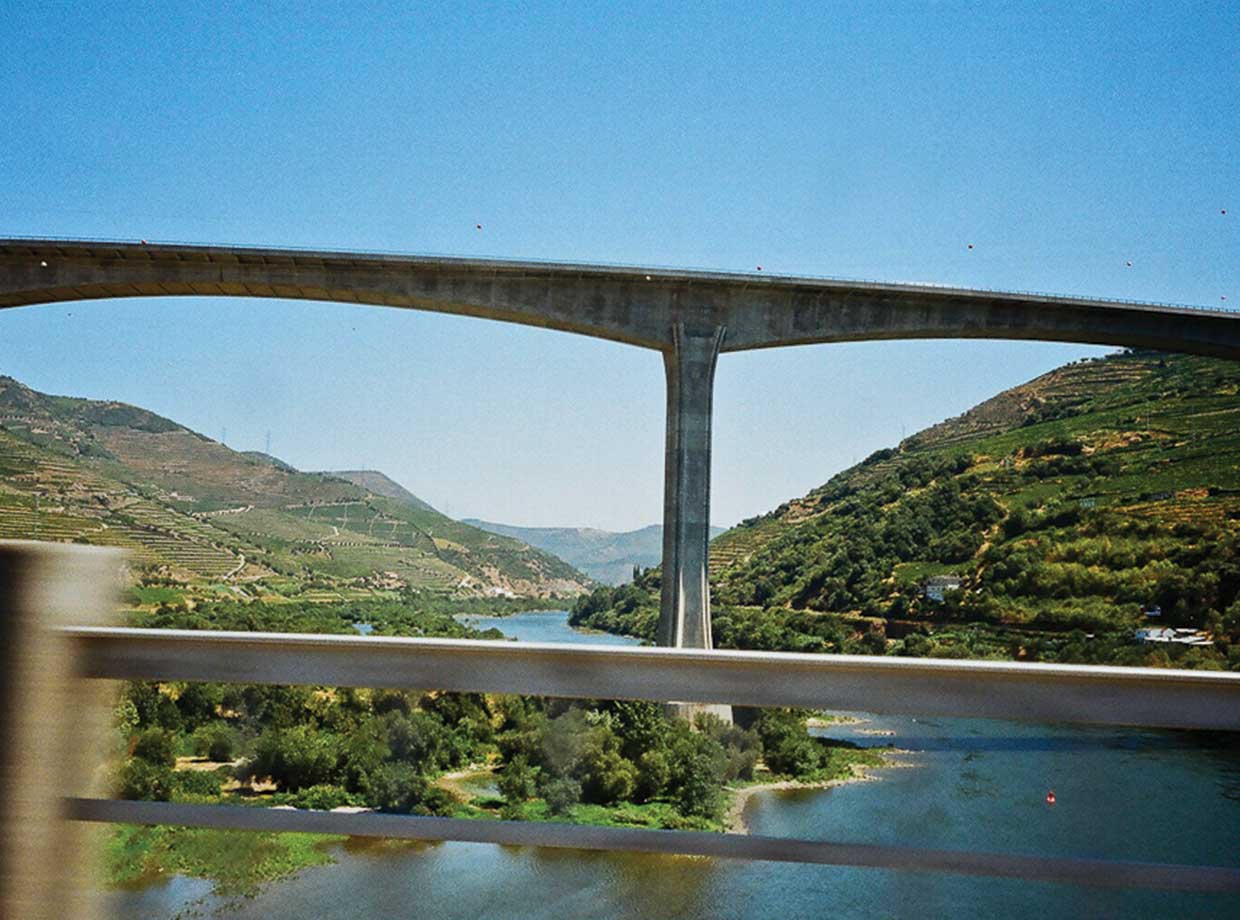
1069, 502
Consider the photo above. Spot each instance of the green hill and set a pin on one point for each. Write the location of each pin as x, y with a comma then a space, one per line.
1066, 508
194, 513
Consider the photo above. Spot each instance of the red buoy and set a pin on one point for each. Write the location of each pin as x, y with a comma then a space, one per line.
1050, 797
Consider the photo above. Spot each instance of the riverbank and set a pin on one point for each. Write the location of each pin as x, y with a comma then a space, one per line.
855, 771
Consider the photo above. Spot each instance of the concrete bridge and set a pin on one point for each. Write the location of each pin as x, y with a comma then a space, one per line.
689, 316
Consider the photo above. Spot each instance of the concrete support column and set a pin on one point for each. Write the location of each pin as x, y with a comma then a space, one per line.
53, 725
684, 616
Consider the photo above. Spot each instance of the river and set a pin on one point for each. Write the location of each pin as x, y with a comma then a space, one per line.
977, 784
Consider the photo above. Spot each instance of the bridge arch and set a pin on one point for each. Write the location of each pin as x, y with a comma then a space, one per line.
689, 316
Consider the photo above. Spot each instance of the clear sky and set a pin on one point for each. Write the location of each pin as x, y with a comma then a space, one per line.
856, 140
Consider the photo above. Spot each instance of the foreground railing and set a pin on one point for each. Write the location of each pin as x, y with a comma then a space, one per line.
916, 686
1113, 696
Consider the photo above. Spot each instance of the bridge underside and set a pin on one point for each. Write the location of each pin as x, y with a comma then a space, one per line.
688, 316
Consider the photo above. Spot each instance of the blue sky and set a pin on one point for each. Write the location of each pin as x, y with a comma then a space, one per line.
861, 140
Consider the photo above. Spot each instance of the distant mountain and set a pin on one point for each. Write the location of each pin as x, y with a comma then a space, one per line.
604, 555
192, 511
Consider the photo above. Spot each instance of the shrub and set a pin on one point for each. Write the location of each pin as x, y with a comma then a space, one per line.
140, 779
197, 782
323, 797
155, 746
216, 741
397, 787
561, 795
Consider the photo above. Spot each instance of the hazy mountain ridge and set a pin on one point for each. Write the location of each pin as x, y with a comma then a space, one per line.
189, 509
606, 556
381, 484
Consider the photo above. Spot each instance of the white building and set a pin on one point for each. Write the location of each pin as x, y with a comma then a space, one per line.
936, 586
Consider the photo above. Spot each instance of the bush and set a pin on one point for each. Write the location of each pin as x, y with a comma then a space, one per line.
397, 787
197, 782
142, 780
323, 798
155, 746
561, 795
216, 741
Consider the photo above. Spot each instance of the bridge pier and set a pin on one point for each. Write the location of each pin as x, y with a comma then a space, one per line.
684, 615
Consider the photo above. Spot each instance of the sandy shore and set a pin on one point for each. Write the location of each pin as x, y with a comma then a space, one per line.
734, 818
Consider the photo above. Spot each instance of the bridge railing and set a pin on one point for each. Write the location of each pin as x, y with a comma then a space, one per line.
56, 669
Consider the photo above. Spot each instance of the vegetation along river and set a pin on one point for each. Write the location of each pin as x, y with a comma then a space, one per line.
973, 784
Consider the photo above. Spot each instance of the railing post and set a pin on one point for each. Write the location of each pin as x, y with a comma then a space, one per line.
684, 615
53, 725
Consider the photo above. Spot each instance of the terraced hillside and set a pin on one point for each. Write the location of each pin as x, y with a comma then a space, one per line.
1099, 498
190, 510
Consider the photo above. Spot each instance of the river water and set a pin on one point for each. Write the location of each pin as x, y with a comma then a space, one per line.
971, 784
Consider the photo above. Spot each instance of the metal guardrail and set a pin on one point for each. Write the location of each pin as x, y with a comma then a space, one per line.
1087, 694
1066, 870
917, 686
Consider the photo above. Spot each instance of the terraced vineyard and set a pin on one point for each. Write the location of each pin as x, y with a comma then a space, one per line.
1076, 501
189, 510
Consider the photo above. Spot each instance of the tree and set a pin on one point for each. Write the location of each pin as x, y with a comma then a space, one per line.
295, 758
607, 777
653, 775
516, 783
786, 745
423, 739
361, 754
697, 763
